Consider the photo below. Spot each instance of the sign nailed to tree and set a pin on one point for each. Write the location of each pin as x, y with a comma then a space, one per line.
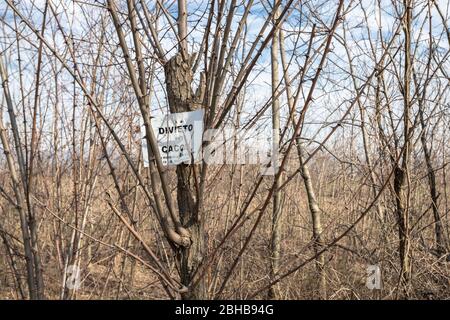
179, 137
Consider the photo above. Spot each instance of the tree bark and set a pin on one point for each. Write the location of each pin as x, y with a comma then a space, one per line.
34, 275
441, 241
274, 292
401, 173
316, 217
178, 73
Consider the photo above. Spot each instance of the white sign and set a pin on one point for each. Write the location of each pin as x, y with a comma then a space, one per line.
373, 280
179, 137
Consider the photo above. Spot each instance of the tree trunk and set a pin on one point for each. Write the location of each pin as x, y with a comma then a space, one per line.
441, 241
313, 204
401, 173
274, 292
18, 192
178, 73
316, 222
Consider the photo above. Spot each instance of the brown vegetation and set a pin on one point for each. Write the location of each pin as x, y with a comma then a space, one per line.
360, 111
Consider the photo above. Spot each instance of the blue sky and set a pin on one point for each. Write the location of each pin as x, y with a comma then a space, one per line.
332, 94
